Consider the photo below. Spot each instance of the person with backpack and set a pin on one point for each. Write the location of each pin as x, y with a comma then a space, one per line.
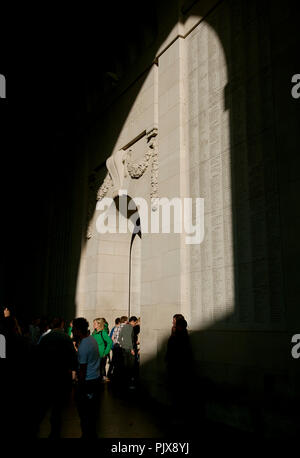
104, 344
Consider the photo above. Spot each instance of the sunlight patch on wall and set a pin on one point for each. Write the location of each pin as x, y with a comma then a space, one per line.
211, 276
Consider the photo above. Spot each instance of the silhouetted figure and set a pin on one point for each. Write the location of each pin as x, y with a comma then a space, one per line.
5, 325
14, 379
136, 331
88, 388
176, 317
180, 377
56, 358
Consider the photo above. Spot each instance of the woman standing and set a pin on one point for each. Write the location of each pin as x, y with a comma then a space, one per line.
104, 344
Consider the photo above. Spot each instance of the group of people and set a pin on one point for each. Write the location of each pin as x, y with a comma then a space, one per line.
58, 361
73, 360
118, 349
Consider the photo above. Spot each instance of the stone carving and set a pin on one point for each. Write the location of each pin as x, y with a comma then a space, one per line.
151, 136
137, 170
107, 183
94, 183
118, 165
116, 168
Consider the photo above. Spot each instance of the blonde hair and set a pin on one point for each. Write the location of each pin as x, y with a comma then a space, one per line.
100, 322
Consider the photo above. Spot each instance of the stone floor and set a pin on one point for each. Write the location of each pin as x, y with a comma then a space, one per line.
130, 415
120, 417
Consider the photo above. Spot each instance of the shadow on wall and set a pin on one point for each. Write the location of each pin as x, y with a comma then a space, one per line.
75, 78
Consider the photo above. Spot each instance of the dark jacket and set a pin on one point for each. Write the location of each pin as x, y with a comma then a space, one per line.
56, 356
126, 338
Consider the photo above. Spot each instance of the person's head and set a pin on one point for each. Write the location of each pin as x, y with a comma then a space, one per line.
71, 324
117, 321
123, 319
181, 326
99, 324
58, 323
133, 320
80, 328
176, 317
6, 312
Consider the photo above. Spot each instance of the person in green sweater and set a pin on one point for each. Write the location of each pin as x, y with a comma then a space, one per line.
104, 344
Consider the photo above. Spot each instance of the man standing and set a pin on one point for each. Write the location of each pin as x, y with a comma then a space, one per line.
126, 340
56, 360
88, 391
